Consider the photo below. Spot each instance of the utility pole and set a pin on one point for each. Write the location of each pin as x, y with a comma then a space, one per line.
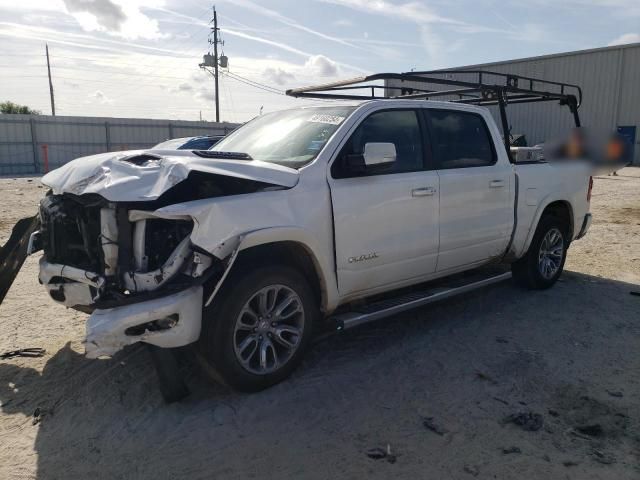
215, 54
53, 103
213, 61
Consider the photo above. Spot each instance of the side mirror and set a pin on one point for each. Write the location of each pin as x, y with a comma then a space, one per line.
379, 154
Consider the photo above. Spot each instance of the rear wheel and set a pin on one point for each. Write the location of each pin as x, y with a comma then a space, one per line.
543, 263
259, 327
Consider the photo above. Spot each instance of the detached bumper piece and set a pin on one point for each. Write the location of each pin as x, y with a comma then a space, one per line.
171, 321
14, 252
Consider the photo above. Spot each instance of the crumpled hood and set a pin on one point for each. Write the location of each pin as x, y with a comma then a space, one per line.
118, 179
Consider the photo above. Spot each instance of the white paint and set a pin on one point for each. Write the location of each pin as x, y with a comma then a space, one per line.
148, 281
105, 328
108, 175
464, 221
109, 240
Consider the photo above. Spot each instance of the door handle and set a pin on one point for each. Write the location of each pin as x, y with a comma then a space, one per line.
423, 192
496, 183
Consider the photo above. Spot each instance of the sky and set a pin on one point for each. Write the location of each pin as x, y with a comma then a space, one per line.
139, 58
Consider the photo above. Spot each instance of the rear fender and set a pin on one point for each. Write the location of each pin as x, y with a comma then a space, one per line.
548, 200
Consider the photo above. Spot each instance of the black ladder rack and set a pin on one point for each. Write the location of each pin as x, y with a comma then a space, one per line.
483, 88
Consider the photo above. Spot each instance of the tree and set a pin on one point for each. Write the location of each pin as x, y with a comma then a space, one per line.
10, 107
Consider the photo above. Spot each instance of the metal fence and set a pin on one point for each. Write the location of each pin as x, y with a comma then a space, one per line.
29, 144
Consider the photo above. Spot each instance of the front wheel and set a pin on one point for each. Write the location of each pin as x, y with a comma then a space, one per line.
259, 327
543, 263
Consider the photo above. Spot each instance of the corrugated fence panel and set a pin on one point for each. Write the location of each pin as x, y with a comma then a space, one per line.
62, 139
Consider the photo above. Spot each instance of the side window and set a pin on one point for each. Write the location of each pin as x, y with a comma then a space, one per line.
460, 140
400, 127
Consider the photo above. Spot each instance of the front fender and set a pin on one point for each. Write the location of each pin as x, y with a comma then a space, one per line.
227, 225
323, 263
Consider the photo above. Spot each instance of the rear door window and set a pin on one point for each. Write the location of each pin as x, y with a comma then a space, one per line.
460, 139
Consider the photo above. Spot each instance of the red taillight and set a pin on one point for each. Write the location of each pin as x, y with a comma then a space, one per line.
590, 188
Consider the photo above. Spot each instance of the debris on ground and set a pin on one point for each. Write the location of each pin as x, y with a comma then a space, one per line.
485, 377
37, 416
528, 421
471, 469
509, 450
603, 458
571, 431
434, 427
378, 453
615, 394
593, 430
23, 352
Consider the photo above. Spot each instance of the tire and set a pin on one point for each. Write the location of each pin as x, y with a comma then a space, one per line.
531, 271
170, 380
237, 328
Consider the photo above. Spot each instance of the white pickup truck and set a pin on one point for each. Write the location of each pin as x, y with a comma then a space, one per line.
324, 215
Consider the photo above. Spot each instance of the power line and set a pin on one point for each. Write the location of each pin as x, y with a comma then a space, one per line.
254, 84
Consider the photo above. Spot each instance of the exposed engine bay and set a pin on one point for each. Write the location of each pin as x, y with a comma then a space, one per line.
141, 259
111, 260
98, 254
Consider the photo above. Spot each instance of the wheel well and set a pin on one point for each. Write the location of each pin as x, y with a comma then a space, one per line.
289, 253
563, 211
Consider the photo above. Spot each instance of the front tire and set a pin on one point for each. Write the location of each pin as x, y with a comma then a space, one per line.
543, 263
257, 329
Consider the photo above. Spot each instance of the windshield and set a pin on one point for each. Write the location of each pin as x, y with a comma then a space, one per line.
292, 137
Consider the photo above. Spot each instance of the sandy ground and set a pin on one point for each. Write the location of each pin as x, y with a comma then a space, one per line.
569, 354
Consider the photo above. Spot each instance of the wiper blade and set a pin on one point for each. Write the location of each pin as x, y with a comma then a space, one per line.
225, 155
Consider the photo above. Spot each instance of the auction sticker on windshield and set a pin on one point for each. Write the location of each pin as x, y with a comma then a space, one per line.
328, 119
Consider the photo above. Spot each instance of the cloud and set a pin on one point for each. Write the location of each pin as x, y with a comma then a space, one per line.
626, 38
206, 94
342, 22
278, 75
106, 13
116, 17
323, 66
254, 7
433, 45
20, 30
100, 96
181, 88
411, 11
280, 45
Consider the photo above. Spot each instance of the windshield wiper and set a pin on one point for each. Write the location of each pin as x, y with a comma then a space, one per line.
225, 155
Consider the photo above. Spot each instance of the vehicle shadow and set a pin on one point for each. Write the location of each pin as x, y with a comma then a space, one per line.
466, 362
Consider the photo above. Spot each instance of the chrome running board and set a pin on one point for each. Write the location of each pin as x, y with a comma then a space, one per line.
386, 308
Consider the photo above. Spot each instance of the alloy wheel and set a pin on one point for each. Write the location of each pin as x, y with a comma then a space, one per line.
551, 253
268, 329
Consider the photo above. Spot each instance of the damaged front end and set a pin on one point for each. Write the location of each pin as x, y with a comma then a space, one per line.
129, 238
138, 275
